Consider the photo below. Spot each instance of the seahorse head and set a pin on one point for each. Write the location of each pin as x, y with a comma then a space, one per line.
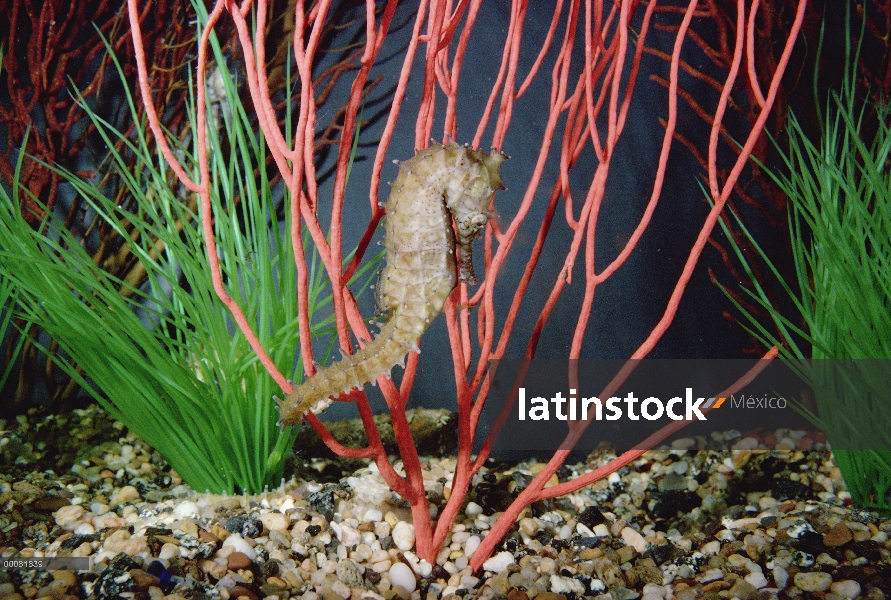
468, 196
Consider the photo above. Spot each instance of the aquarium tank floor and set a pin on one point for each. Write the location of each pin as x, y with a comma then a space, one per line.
735, 516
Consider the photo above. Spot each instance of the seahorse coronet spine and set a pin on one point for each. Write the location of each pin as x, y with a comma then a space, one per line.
438, 186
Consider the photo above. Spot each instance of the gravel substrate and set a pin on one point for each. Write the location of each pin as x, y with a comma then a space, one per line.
717, 518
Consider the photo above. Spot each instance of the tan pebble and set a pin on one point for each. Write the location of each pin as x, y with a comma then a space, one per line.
813, 581
143, 580
277, 582
275, 521
219, 532
626, 554
122, 541
67, 577
861, 536
69, 516
168, 551
381, 567
206, 536
109, 520
590, 553
741, 457
716, 586
246, 575
188, 526
549, 596
128, 493
106, 474
213, 568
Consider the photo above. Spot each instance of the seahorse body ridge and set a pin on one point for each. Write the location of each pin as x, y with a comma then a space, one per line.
439, 185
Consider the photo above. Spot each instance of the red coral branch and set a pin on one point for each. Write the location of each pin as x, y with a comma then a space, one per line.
586, 112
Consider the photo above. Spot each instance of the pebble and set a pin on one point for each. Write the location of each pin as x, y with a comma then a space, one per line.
186, 510
756, 580
838, 536
813, 581
401, 575
404, 535
239, 560
847, 588
239, 545
69, 516
634, 539
470, 546
275, 521
499, 562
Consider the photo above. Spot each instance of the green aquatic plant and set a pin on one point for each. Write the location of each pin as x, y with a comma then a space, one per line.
839, 339
165, 358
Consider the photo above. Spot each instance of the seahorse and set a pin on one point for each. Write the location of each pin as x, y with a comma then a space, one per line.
439, 185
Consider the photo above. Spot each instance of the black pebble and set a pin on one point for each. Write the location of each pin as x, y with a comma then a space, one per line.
591, 517
661, 554
786, 489
252, 528
234, 524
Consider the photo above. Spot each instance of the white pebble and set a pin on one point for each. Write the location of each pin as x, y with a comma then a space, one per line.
473, 542
236, 541
186, 510
373, 515
340, 588
683, 444
499, 563
711, 548
756, 579
98, 508
711, 575
349, 536
84, 529
404, 535
565, 585
460, 536
634, 539
401, 576
473, 509
747, 443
